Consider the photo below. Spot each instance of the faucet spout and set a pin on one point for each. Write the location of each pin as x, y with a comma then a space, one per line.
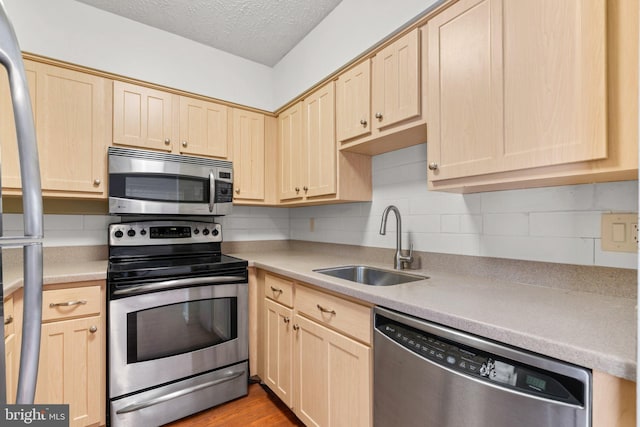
399, 260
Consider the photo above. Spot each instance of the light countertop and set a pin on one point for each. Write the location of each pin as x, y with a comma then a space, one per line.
587, 329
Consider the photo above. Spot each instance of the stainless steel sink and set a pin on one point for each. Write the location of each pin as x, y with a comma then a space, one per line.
370, 275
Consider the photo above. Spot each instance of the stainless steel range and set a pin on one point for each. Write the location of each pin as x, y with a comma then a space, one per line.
177, 308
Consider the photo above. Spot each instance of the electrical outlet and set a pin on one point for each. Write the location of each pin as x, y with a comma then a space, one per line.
312, 225
620, 232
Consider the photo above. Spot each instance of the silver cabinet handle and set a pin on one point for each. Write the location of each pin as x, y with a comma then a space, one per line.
96, 182
276, 290
8, 320
184, 143
379, 116
363, 122
67, 304
433, 166
167, 141
286, 320
93, 329
325, 310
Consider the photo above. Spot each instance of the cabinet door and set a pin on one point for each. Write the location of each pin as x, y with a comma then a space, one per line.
320, 142
333, 378
71, 362
203, 128
353, 102
396, 81
11, 362
248, 155
291, 159
278, 350
9, 147
531, 91
142, 117
72, 119
554, 82
465, 112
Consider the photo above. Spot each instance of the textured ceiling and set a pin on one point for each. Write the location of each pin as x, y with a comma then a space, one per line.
260, 30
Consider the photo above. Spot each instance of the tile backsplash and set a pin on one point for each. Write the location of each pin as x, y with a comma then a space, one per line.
554, 224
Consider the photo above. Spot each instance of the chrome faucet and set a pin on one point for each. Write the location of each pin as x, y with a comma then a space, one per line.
399, 260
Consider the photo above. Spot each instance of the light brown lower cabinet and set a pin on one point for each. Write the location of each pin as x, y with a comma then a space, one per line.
72, 351
316, 352
614, 401
11, 343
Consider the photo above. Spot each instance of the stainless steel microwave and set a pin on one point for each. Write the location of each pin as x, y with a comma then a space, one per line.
145, 182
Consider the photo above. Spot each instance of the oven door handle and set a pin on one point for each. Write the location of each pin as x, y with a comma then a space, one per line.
174, 395
191, 281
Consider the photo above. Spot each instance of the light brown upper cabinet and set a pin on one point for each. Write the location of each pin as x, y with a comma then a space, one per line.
379, 100
311, 170
518, 93
152, 119
142, 117
308, 147
72, 112
396, 82
203, 128
248, 135
290, 152
353, 102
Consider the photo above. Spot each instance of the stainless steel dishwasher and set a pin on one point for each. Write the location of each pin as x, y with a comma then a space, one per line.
432, 376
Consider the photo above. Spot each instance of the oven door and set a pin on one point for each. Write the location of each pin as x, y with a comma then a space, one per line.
164, 336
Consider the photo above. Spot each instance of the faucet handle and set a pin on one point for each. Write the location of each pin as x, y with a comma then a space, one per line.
410, 252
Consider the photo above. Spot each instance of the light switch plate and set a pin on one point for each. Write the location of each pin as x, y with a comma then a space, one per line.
620, 232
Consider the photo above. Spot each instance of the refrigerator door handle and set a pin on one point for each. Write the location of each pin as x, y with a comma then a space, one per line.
11, 59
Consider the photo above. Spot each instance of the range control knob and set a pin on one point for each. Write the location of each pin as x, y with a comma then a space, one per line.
131, 233
215, 232
118, 234
196, 231
205, 231
143, 232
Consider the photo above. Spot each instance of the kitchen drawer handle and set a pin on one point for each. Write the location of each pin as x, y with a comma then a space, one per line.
67, 304
8, 320
276, 290
286, 320
325, 310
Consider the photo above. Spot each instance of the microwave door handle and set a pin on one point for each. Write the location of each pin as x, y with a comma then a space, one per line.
212, 190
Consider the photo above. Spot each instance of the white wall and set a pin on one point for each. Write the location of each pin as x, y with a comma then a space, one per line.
555, 224
81, 34
349, 30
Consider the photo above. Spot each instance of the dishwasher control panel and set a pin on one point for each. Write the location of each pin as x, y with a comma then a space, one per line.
481, 365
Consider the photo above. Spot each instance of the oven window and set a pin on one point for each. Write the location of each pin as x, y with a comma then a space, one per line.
160, 187
180, 328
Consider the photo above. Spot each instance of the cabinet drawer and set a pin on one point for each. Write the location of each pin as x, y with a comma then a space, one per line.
9, 317
278, 289
72, 302
346, 316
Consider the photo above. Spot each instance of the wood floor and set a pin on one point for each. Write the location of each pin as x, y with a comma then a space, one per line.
259, 409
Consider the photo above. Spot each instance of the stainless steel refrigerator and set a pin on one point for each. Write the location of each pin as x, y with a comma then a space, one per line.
31, 242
